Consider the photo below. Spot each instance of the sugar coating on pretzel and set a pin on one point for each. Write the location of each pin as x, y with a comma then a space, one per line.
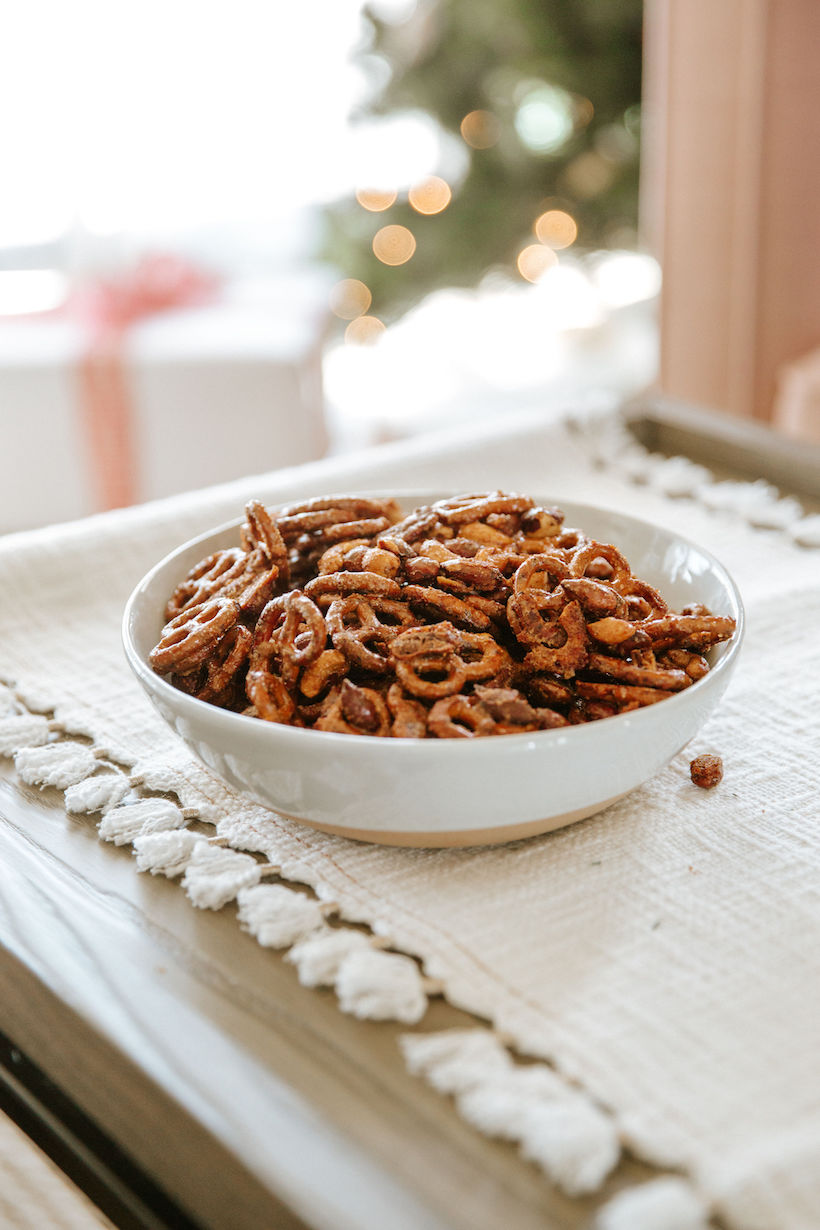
480, 614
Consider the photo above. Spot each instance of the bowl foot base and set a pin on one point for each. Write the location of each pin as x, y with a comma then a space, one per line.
447, 839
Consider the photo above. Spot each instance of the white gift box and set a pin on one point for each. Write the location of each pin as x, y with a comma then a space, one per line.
217, 391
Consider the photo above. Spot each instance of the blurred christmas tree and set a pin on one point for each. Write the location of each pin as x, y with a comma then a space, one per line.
542, 98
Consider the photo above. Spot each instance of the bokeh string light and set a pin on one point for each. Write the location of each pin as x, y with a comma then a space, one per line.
531, 139
431, 196
364, 330
556, 228
481, 129
535, 261
349, 298
376, 200
394, 244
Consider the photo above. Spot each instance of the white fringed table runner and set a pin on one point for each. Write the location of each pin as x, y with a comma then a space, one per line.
663, 958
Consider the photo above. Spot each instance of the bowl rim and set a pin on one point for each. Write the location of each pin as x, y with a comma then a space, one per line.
281, 732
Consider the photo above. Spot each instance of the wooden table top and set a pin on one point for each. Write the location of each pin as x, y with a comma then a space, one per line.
33, 1192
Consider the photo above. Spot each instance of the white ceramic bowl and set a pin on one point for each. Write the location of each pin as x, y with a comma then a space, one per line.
449, 792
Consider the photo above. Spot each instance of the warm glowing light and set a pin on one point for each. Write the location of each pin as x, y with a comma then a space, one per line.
375, 199
350, 298
589, 174
364, 330
556, 228
536, 260
431, 196
480, 129
394, 245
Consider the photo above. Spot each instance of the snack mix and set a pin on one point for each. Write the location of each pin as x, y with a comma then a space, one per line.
477, 615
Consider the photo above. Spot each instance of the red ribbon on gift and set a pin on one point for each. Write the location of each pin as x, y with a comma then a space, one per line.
108, 308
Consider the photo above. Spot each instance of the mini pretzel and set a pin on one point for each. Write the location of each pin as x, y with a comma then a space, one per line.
357, 631
300, 631
254, 590
456, 717
636, 592
420, 524
188, 639
589, 553
354, 506
356, 529
474, 508
620, 693
525, 614
494, 611
599, 568
269, 696
224, 665
428, 663
203, 581
506, 560
538, 571
261, 531
337, 584
572, 655
445, 606
249, 577
571, 540
291, 525
629, 672
491, 656
685, 631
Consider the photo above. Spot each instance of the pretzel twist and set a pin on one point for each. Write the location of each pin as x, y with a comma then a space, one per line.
188, 639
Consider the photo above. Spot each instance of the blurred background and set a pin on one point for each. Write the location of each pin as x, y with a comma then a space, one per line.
239, 237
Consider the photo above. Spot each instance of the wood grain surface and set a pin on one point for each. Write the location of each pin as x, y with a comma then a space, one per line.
249, 1099
34, 1193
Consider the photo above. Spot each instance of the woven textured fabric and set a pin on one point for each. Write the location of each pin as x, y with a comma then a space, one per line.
663, 954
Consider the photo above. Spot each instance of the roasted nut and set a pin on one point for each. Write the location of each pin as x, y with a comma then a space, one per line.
706, 771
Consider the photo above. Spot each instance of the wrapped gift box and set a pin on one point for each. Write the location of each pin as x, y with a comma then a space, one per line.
215, 391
